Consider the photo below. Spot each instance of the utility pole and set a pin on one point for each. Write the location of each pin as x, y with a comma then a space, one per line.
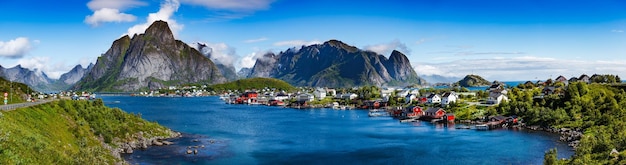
11, 92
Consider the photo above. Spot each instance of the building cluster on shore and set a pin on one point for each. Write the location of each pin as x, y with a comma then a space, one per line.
406, 105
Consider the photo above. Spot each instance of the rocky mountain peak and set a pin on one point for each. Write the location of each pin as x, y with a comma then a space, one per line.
340, 45
74, 75
397, 55
160, 30
152, 60
18, 66
335, 64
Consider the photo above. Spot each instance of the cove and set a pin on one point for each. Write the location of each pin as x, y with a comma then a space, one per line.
245, 134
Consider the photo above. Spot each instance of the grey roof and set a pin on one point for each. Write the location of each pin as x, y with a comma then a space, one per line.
432, 110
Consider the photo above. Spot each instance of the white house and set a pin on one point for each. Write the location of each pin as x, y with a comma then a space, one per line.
408, 91
434, 98
320, 93
448, 98
331, 92
386, 92
409, 98
349, 96
497, 98
306, 97
281, 96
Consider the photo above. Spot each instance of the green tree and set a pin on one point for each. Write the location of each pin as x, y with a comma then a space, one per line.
550, 157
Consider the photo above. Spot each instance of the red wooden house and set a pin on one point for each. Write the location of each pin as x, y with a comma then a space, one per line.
248, 97
434, 113
372, 105
449, 117
415, 111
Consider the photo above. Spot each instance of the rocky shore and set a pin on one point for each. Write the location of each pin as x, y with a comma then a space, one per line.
571, 136
139, 141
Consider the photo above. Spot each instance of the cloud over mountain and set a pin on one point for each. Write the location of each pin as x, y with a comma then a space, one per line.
16, 48
297, 43
108, 15
165, 13
219, 53
387, 48
110, 11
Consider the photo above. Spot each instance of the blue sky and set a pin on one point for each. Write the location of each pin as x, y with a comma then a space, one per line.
500, 40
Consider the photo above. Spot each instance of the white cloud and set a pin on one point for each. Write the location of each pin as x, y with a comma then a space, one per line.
114, 4
387, 48
167, 10
520, 68
249, 60
16, 48
256, 40
233, 5
617, 31
110, 11
218, 52
42, 65
108, 15
421, 41
297, 43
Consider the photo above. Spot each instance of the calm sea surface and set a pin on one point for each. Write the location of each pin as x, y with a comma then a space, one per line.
243, 134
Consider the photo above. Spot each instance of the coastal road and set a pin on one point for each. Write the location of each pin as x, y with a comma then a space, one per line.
10, 107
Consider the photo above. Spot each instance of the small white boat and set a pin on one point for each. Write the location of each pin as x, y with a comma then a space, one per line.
407, 120
482, 127
377, 113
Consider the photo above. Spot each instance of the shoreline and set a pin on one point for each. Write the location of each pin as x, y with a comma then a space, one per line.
571, 136
139, 142
193, 148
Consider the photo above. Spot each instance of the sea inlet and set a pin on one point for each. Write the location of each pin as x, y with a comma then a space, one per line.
252, 134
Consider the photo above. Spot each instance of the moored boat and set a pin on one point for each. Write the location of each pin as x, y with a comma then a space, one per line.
377, 113
482, 127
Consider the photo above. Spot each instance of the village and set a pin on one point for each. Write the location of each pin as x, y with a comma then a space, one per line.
428, 104
403, 104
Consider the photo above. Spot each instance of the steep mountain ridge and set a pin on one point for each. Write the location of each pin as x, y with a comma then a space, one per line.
151, 60
33, 78
74, 75
336, 64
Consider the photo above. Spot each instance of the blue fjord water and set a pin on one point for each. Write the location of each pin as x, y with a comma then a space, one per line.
244, 134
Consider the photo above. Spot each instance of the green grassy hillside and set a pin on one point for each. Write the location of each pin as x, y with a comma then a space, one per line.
68, 132
16, 90
473, 81
253, 83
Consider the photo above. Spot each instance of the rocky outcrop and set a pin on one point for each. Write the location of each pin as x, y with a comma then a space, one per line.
336, 64
151, 60
141, 142
571, 136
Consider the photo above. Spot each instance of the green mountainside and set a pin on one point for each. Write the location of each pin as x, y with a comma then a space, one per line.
17, 91
597, 110
473, 81
253, 83
70, 132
